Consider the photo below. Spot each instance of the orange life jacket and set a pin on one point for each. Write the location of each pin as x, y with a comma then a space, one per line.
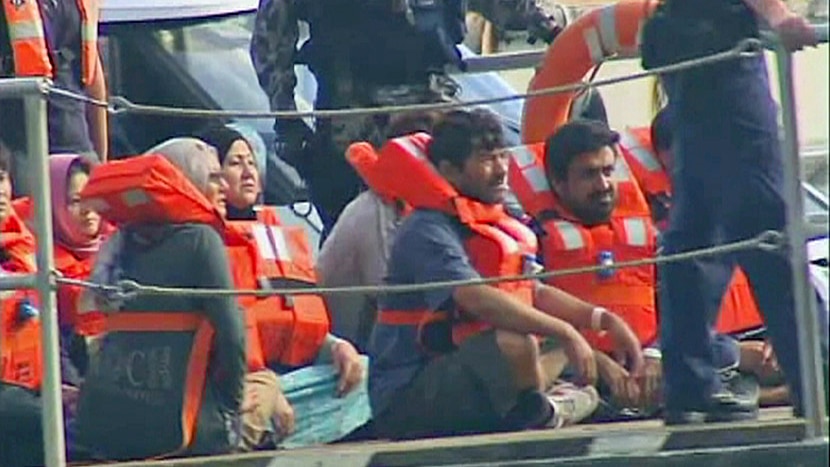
152, 358
285, 330
21, 353
20, 344
739, 311
499, 245
28, 39
147, 189
69, 295
18, 245
636, 147
566, 244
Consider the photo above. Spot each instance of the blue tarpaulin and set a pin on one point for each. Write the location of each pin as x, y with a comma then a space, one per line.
320, 416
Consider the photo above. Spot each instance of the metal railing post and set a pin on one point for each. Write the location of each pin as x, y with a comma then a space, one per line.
812, 380
38, 153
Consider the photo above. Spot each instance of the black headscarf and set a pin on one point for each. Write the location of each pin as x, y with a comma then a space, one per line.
222, 138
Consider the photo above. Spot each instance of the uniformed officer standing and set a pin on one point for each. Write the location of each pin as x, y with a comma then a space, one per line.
363, 53
728, 186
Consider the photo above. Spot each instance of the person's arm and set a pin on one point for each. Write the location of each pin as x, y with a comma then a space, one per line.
212, 271
506, 312
794, 31
346, 360
97, 116
584, 315
273, 49
774, 12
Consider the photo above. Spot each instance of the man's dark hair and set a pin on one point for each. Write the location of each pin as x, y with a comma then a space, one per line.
459, 134
575, 138
5, 159
661, 133
410, 122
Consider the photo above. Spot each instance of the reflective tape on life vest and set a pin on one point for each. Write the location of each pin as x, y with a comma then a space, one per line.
621, 171
636, 231
410, 147
643, 155
28, 39
528, 180
536, 178
146, 189
271, 243
570, 234
89, 11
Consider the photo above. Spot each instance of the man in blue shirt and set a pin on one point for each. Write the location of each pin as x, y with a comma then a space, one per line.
496, 379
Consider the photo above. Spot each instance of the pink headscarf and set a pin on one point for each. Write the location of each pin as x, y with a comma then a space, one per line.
66, 232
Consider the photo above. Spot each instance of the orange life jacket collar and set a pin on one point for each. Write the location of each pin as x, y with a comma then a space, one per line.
147, 189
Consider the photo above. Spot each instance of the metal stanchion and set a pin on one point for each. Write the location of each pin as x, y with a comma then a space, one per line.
38, 153
805, 307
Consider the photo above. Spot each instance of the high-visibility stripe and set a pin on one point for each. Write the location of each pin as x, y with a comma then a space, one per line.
592, 42
636, 232
621, 171
608, 29
410, 147
263, 243
571, 236
535, 177
523, 156
89, 32
279, 244
135, 197
26, 30
644, 156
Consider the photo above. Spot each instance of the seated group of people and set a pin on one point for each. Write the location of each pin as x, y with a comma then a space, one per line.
147, 375
516, 355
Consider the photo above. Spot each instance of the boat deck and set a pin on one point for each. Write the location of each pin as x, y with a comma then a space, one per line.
776, 439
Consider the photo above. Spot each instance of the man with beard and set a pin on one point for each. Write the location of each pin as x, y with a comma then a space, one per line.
466, 359
590, 211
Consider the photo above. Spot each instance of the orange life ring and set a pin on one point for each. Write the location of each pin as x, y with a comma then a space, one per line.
611, 30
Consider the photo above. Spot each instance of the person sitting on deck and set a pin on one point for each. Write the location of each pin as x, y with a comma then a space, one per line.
466, 359
290, 335
168, 376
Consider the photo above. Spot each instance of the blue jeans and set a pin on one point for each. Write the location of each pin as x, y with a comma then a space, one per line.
728, 186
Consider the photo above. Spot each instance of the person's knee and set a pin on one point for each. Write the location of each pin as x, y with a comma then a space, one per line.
518, 347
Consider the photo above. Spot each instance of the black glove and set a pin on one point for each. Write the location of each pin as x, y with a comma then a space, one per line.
293, 136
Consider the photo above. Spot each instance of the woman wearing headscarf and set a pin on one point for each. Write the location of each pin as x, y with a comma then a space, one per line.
125, 386
264, 252
77, 236
241, 171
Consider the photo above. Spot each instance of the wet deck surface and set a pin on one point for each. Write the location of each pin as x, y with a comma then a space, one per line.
775, 439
